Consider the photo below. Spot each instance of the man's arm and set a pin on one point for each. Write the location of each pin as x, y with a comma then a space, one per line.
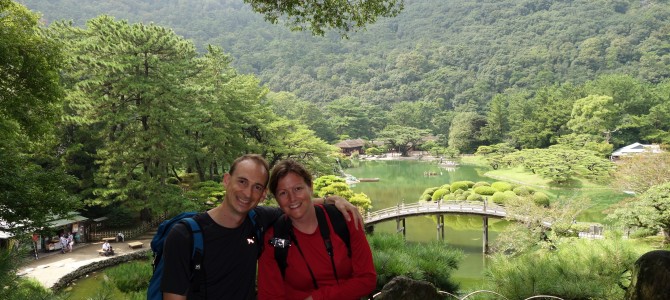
345, 207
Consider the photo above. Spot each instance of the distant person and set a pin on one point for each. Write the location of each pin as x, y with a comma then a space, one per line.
310, 271
107, 249
231, 248
70, 242
63, 243
120, 237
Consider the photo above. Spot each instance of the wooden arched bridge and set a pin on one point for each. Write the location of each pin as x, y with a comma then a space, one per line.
402, 211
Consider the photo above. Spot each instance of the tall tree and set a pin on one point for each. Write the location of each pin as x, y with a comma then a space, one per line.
32, 180
595, 115
464, 133
650, 210
497, 120
402, 138
133, 86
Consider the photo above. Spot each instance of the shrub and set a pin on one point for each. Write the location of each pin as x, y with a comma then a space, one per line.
460, 185
475, 197
462, 196
132, 276
433, 262
643, 232
481, 183
523, 190
502, 186
485, 190
428, 193
446, 186
502, 197
451, 196
439, 194
541, 199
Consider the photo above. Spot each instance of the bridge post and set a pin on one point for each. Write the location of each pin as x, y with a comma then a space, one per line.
485, 238
440, 227
401, 228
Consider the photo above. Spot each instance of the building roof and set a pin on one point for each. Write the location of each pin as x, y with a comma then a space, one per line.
351, 143
636, 148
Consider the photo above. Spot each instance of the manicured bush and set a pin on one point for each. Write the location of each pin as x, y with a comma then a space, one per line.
510, 195
499, 198
475, 197
540, 199
462, 197
451, 196
502, 186
485, 190
523, 190
437, 195
481, 183
446, 186
428, 193
460, 185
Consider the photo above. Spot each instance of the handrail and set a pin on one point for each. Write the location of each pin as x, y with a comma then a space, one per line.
467, 207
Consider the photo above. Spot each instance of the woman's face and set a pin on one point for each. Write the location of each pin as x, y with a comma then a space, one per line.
294, 196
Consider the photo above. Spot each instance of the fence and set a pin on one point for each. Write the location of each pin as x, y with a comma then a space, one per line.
127, 233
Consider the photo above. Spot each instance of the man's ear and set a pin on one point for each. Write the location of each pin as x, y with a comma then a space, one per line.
226, 179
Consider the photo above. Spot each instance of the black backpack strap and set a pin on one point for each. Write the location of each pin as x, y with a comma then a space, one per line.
339, 225
325, 234
197, 254
282, 228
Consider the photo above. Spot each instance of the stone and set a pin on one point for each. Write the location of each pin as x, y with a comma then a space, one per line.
650, 277
404, 288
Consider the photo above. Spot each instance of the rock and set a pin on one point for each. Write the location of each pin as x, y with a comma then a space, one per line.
403, 288
650, 277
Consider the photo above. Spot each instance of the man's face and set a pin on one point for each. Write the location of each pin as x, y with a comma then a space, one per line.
246, 187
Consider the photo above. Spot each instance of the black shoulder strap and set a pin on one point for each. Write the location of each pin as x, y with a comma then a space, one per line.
258, 231
339, 225
282, 229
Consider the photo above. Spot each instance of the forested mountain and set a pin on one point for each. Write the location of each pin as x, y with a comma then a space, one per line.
444, 57
454, 52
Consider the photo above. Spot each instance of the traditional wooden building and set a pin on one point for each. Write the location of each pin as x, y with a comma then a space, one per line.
350, 146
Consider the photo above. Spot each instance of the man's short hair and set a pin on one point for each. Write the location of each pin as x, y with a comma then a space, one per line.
284, 167
255, 157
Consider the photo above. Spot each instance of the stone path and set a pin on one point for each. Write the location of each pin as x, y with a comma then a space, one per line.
51, 267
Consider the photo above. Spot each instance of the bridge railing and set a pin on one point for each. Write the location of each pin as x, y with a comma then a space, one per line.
466, 207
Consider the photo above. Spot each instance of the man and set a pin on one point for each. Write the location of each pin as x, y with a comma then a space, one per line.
107, 249
231, 247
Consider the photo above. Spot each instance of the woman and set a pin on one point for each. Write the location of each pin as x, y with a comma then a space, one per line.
310, 272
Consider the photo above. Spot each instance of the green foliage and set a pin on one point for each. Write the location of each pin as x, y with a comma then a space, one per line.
324, 181
433, 262
317, 16
362, 201
500, 198
502, 186
131, 277
439, 194
485, 190
475, 197
560, 165
121, 217
540, 199
523, 190
650, 210
402, 137
481, 183
206, 191
580, 269
459, 185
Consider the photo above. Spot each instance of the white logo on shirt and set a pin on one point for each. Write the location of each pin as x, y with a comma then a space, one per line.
250, 241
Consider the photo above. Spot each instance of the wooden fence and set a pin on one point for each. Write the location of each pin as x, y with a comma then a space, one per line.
98, 235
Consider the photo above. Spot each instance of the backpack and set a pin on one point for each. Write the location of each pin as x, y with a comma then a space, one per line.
283, 236
197, 255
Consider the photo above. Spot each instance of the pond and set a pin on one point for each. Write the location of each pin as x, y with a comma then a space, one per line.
405, 180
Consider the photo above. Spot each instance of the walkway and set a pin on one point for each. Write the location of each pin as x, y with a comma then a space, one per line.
52, 266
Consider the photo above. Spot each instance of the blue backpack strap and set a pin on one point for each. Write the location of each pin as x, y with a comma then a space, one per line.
258, 230
197, 254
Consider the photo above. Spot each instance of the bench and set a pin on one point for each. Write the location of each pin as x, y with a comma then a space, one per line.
135, 245
109, 239
102, 252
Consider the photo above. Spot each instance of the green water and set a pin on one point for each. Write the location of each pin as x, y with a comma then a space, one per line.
405, 181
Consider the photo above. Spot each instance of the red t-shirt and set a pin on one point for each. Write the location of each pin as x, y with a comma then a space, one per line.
356, 275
